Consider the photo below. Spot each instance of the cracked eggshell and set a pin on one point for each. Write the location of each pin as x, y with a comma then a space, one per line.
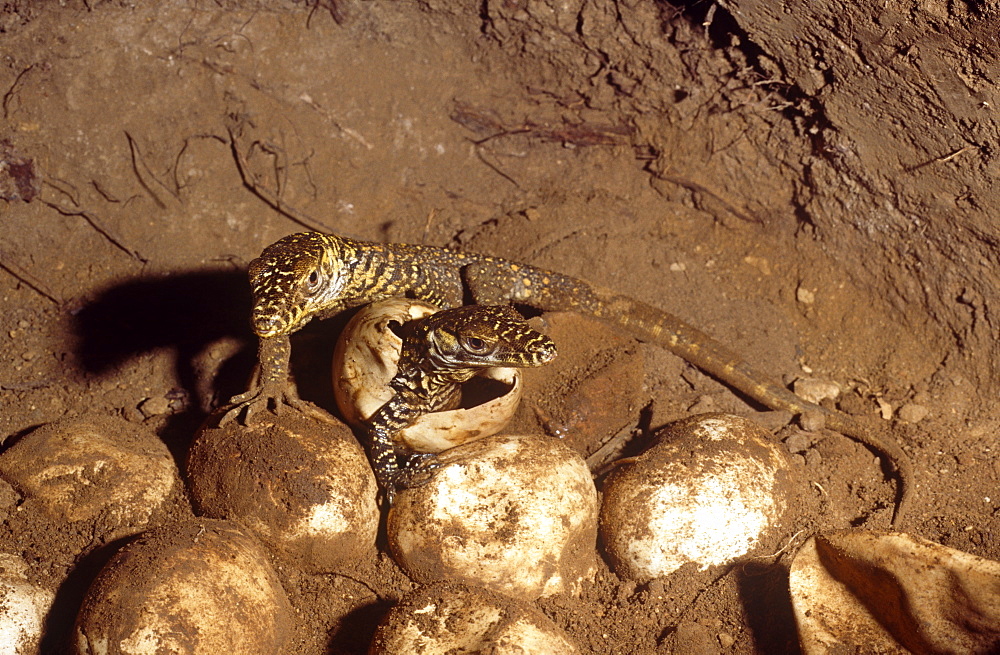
194, 587
452, 618
365, 361
513, 514
94, 467
303, 487
23, 608
710, 492
857, 591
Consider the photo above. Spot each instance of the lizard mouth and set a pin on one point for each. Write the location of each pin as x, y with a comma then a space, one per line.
268, 326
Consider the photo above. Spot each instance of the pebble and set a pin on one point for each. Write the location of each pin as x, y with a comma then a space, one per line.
913, 413
799, 442
154, 406
812, 421
816, 390
805, 296
772, 421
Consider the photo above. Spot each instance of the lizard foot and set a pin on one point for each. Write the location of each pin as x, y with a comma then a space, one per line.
254, 404
418, 471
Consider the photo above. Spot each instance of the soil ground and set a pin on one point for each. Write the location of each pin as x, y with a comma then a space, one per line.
627, 144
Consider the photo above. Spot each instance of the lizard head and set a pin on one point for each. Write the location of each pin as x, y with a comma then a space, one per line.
478, 336
291, 280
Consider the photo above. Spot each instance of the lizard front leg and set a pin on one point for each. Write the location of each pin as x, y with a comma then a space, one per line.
398, 413
271, 389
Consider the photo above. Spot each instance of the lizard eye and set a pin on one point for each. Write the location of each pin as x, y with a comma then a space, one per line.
475, 345
313, 281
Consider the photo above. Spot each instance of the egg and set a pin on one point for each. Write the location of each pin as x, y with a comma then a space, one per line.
711, 491
94, 467
23, 608
196, 587
303, 486
449, 618
513, 514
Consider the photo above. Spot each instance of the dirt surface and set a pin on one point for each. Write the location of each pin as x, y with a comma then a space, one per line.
762, 176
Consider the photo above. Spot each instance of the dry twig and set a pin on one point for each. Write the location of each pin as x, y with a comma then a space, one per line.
95, 223
271, 198
26, 279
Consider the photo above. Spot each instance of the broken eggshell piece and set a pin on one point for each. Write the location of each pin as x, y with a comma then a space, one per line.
365, 361
859, 591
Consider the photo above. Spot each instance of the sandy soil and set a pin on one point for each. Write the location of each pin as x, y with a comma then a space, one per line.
661, 153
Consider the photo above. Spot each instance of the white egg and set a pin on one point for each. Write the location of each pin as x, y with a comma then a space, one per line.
514, 514
449, 618
23, 608
81, 469
708, 493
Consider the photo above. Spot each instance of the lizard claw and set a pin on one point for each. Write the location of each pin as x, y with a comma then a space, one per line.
418, 471
253, 405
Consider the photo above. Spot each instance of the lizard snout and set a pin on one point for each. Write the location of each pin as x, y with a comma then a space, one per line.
544, 351
267, 326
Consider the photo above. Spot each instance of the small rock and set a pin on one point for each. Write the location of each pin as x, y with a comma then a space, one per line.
132, 414
813, 457
884, 408
772, 421
816, 390
695, 639
799, 442
913, 413
805, 296
154, 406
812, 421
726, 640
9, 498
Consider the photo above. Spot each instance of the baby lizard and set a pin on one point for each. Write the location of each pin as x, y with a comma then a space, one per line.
439, 353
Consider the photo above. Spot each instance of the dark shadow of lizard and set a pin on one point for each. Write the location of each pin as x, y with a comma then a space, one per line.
188, 313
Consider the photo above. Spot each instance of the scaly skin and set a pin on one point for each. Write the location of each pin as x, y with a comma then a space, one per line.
311, 274
439, 353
